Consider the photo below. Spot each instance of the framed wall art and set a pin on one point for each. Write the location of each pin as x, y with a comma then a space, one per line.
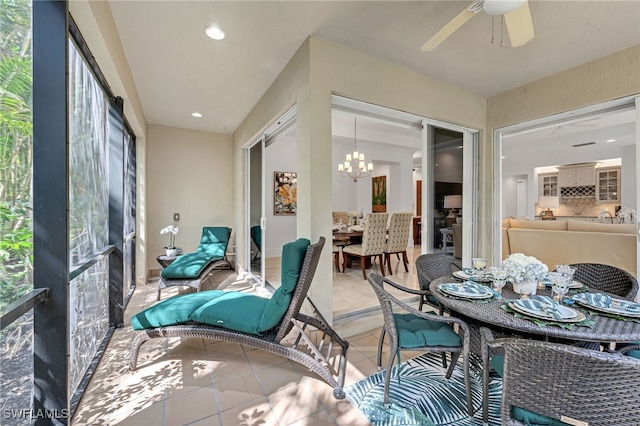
379, 194
285, 193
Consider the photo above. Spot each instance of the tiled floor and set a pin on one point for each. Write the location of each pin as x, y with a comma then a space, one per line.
193, 381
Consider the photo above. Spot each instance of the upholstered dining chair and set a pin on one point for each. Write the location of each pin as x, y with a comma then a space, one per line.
399, 226
545, 383
341, 217
374, 238
408, 329
606, 278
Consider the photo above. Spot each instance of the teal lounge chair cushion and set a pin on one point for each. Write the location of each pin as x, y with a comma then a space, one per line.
232, 310
214, 240
172, 311
414, 332
292, 258
189, 266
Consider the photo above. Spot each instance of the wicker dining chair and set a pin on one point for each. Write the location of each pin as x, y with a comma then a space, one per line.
411, 330
606, 278
568, 383
399, 227
429, 267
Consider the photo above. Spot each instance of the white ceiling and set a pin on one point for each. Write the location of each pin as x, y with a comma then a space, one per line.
178, 70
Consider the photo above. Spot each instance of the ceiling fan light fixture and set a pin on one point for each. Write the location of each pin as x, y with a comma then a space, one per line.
500, 7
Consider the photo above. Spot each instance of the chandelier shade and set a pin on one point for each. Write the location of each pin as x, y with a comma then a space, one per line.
354, 166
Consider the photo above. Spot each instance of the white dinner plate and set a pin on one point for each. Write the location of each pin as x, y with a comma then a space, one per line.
612, 309
579, 316
464, 276
566, 313
458, 290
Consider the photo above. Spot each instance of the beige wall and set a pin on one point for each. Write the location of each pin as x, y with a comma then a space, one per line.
319, 69
612, 77
187, 173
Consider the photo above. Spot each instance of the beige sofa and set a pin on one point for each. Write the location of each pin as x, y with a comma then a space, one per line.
558, 242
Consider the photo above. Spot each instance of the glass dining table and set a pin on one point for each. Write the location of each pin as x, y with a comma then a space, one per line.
491, 314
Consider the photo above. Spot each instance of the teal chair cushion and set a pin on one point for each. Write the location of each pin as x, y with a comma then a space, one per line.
232, 310
414, 332
214, 240
634, 353
497, 362
172, 311
189, 266
530, 418
525, 416
292, 258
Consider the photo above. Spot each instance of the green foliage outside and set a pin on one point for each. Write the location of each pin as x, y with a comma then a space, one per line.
16, 140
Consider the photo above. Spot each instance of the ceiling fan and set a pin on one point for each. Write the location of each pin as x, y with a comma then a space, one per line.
517, 18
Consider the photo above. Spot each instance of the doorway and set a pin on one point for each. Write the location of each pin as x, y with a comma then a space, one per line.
405, 148
603, 137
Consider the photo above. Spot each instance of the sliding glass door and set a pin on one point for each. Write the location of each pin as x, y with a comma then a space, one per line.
255, 211
271, 197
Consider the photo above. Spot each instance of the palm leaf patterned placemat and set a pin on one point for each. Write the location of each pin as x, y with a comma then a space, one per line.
421, 395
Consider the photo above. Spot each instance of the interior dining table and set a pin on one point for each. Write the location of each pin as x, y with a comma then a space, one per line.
352, 237
605, 329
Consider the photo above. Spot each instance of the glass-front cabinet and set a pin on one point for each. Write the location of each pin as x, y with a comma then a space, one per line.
548, 184
608, 185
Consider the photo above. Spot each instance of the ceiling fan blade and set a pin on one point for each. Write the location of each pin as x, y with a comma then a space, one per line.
519, 25
448, 29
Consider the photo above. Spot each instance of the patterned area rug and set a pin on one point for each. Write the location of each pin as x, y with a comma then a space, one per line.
421, 395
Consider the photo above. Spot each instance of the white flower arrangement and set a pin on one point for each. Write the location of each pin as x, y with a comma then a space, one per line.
355, 217
524, 268
172, 231
627, 215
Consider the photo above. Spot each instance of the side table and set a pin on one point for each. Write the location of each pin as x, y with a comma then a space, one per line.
165, 260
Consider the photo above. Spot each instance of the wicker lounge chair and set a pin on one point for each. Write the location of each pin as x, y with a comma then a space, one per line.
314, 343
192, 269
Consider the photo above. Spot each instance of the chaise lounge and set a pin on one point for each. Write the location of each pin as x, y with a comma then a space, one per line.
192, 269
256, 321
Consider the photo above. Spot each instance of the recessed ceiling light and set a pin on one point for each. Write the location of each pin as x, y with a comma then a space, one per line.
196, 114
214, 33
611, 140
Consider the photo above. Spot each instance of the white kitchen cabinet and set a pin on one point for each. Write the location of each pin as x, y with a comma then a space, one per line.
582, 175
608, 185
548, 184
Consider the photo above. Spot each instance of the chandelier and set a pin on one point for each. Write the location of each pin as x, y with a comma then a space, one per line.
354, 165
